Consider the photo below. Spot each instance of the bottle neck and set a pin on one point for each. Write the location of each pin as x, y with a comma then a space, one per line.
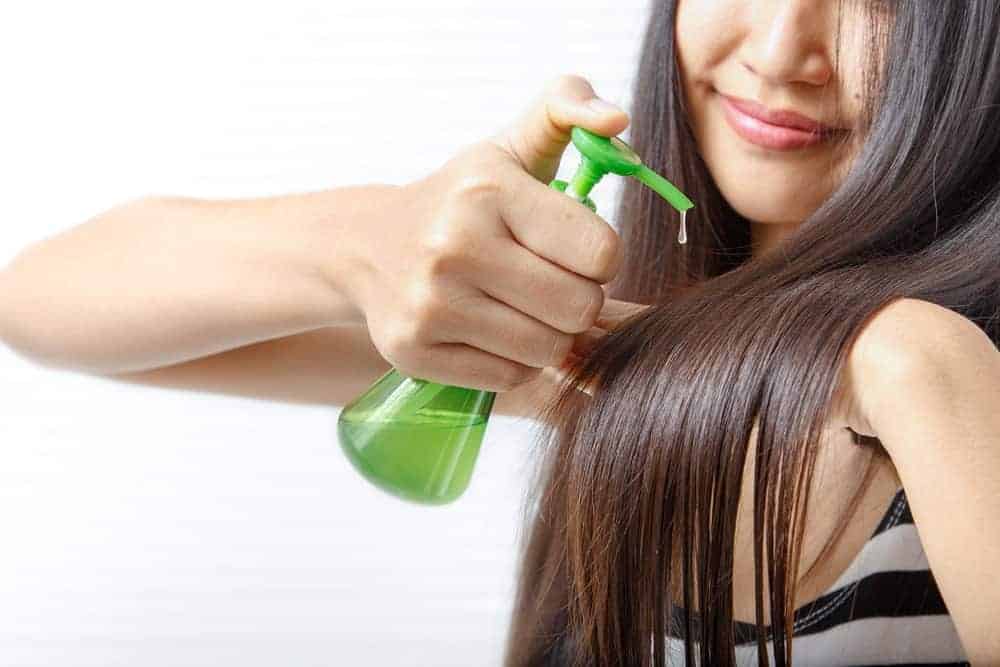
584, 180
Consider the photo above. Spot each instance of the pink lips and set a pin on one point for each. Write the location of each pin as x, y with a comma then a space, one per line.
778, 130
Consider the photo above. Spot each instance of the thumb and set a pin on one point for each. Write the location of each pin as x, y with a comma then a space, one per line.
615, 312
613, 315
541, 133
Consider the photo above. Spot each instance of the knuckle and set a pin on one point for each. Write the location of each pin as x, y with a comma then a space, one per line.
607, 253
505, 381
531, 349
475, 184
445, 247
475, 376
590, 307
531, 374
444, 258
397, 348
567, 218
561, 345
568, 83
426, 311
511, 376
527, 374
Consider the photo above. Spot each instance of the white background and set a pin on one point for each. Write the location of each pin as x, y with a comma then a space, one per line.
147, 526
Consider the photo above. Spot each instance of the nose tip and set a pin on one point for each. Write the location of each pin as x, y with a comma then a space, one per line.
812, 68
790, 45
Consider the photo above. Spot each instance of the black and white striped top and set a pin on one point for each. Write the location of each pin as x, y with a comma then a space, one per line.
885, 609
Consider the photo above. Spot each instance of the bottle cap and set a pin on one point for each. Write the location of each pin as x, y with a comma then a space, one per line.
604, 155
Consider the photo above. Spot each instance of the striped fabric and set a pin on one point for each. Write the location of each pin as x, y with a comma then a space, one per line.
885, 609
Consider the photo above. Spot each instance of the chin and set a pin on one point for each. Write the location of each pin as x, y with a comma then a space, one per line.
766, 213
768, 204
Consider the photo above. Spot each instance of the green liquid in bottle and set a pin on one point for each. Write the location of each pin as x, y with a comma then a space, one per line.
419, 440
415, 439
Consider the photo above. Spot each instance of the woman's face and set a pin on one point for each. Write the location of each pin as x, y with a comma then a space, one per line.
775, 55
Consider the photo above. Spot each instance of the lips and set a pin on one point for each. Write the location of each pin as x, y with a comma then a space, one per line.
777, 130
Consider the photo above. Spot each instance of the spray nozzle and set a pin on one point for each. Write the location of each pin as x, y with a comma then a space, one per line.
603, 155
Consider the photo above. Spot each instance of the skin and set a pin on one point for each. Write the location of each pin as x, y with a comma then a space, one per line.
782, 55
926, 381
922, 379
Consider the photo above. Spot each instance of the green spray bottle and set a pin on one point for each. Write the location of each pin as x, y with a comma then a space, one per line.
419, 440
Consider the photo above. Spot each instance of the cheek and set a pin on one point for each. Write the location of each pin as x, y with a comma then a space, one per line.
760, 185
705, 33
693, 25
704, 19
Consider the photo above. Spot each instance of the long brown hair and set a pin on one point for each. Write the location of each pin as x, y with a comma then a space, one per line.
636, 489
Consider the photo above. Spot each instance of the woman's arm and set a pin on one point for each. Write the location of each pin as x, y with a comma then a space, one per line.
234, 296
161, 280
325, 366
931, 392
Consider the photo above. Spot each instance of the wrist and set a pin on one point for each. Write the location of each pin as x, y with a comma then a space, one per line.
340, 236
322, 234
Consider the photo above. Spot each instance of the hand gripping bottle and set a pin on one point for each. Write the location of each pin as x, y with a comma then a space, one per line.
419, 440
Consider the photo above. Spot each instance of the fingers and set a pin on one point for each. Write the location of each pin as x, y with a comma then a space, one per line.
613, 315
461, 365
501, 330
585, 342
559, 228
538, 137
560, 375
615, 312
516, 276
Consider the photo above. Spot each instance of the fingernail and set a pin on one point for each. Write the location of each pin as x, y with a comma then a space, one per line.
555, 374
599, 106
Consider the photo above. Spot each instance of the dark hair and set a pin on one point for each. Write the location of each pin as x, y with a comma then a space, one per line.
637, 488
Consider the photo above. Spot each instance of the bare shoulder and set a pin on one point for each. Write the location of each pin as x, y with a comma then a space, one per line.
910, 338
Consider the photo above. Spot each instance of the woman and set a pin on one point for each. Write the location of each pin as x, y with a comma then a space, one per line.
825, 339
718, 413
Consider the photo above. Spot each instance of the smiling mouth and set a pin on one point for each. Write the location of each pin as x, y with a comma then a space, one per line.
746, 122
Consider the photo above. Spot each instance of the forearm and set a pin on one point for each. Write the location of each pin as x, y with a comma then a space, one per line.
161, 280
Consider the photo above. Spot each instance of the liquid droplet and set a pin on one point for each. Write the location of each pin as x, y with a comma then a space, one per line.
682, 236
